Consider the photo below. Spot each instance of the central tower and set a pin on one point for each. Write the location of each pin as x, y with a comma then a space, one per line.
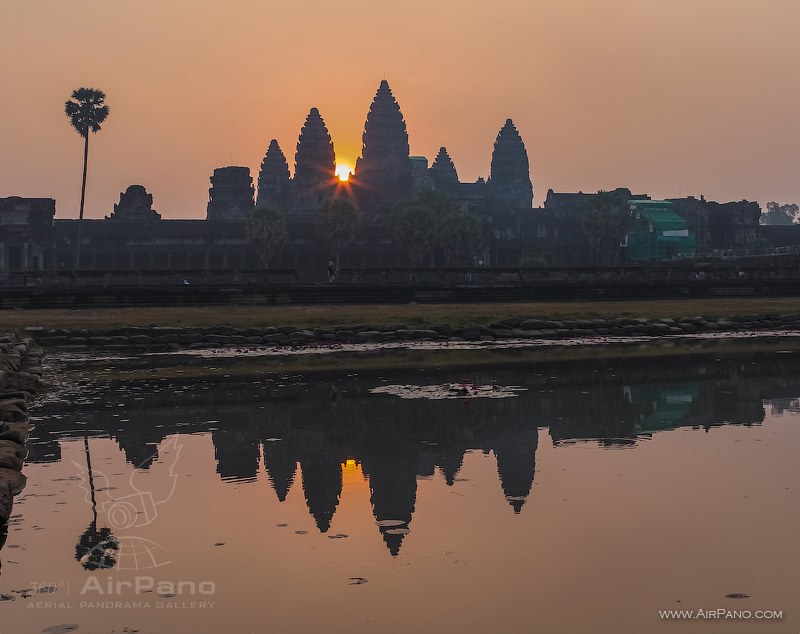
383, 172
510, 182
314, 162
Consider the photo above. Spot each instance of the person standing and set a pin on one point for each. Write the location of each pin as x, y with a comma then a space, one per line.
331, 272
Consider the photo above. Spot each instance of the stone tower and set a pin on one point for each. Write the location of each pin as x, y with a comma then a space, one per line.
314, 162
443, 171
134, 204
383, 172
273, 178
231, 194
510, 182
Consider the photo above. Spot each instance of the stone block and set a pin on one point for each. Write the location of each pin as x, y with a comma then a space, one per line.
12, 455
135, 330
425, 334
14, 479
301, 335
12, 412
225, 331
6, 501
369, 335
160, 331
532, 334
53, 341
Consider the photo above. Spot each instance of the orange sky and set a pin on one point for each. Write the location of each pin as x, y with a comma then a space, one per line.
696, 96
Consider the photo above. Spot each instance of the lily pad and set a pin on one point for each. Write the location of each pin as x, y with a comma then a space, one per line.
448, 391
61, 629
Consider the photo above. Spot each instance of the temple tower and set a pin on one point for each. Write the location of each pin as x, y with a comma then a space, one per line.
383, 172
314, 162
231, 194
134, 204
443, 171
510, 182
273, 178
515, 450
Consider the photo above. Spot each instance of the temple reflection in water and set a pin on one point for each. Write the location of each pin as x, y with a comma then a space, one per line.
308, 432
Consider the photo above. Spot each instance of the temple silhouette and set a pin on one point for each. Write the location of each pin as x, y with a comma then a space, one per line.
136, 237
385, 173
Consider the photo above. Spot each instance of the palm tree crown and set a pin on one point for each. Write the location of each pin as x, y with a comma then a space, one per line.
86, 110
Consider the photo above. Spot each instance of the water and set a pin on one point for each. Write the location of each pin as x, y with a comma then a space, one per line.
553, 497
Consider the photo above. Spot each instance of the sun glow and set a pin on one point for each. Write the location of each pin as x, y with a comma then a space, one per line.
343, 171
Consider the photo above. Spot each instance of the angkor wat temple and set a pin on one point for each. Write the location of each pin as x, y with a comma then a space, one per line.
386, 172
136, 237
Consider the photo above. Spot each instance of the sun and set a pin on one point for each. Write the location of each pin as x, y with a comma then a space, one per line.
343, 171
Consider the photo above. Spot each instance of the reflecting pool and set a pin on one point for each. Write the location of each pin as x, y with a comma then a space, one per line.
552, 497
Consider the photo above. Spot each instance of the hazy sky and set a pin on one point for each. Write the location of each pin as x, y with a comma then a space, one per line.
662, 96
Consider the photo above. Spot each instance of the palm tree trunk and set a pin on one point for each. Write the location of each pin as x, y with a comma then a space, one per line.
77, 263
91, 475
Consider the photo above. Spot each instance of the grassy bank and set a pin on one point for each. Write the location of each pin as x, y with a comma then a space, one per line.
189, 367
412, 315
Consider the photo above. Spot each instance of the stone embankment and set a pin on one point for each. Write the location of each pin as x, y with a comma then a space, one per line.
165, 338
20, 373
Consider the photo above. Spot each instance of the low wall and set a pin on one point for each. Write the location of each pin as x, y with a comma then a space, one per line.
168, 338
364, 293
20, 373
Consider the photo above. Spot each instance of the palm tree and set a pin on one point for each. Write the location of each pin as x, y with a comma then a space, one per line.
86, 110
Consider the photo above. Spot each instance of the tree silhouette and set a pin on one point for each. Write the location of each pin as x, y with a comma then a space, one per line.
432, 222
86, 110
605, 224
267, 230
96, 548
414, 229
337, 225
777, 214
